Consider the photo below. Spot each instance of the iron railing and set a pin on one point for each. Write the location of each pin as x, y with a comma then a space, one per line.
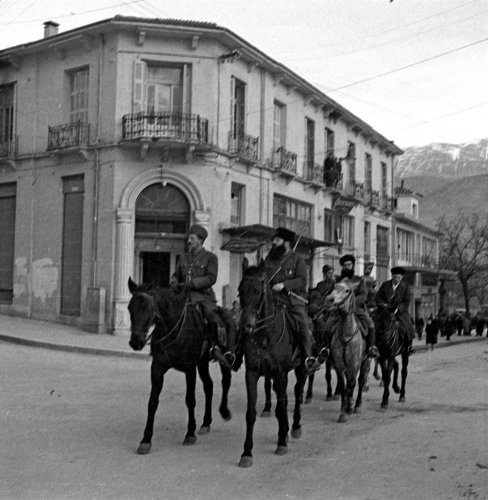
354, 188
386, 203
245, 146
8, 148
416, 260
184, 127
68, 135
313, 172
284, 161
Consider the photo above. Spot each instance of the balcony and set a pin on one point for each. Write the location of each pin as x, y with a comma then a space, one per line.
245, 147
372, 198
68, 136
284, 163
417, 262
386, 203
313, 174
354, 189
333, 173
8, 148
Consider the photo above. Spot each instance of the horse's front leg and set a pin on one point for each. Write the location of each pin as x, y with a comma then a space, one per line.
191, 380
157, 380
309, 392
252, 378
341, 384
386, 367
301, 378
204, 373
362, 383
267, 397
280, 386
396, 369
404, 376
224, 411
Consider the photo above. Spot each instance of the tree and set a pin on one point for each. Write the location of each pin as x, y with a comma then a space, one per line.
464, 249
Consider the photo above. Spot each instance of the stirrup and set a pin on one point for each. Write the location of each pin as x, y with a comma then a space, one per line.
230, 358
373, 352
311, 364
323, 354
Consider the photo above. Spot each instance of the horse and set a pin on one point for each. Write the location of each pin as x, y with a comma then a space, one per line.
178, 341
390, 344
270, 350
348, 348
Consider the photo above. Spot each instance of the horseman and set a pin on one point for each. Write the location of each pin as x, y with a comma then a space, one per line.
326, 286
196, 272
395, 295
287, 274
358, 284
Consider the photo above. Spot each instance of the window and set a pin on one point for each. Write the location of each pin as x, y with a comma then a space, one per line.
309, 147
367, 239
329, 141
79, 96
429, 256
368, 174
384, 181
164, 89
238, 108
415, 210
339, 228
7, 119
8, 199
279, 125
292, 214
382, 253
237, 204
405, 245
351, 161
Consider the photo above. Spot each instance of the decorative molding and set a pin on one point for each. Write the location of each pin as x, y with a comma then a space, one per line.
142, 38
290, 89
194, 42
252, 66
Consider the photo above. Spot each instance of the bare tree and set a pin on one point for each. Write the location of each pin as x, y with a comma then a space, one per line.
464, 249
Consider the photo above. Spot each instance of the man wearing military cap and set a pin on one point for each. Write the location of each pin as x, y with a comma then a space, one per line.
358, 284
395, 295
287, 273
196, 272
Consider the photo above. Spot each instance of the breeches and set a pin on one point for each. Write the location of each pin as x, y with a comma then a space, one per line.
299, 315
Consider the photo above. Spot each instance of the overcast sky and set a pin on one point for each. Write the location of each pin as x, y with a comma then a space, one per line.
415, 70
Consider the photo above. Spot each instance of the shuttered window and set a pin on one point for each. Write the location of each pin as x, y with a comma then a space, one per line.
7, 240
73, 191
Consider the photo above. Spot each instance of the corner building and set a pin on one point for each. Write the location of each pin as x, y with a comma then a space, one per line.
117, 136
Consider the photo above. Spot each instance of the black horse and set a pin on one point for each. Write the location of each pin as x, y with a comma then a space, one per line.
391, 344
270, 350
177, 341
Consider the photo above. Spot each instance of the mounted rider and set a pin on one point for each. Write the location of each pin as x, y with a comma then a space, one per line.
195, 273
358, 284
287, 274
395, 295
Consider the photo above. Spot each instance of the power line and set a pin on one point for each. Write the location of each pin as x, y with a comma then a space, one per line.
416, 63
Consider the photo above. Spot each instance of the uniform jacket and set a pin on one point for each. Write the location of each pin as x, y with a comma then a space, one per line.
325, 287
200, 271
292, 272
360, 291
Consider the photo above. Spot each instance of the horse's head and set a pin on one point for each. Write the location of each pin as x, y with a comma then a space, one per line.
142, 310
252, 289
341, 298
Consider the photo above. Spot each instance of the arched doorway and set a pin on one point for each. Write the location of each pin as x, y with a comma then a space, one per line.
162, 217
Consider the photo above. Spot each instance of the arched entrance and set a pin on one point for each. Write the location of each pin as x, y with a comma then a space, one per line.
162, 218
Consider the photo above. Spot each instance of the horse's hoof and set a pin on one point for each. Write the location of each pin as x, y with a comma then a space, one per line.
342, 419
357, 409
384, 406
281, 450
401, 399
266, 413
189, 440
204, 429
225, 414
144, 448
307, 400
245, 462
296, 433
396, 389
350, 410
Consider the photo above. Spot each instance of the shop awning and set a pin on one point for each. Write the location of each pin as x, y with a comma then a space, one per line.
247, 239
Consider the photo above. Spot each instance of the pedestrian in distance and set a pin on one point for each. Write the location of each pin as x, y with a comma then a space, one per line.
431, 330
419, 326
480, 326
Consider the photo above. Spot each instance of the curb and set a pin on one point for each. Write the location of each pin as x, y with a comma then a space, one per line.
73, 348
448, 343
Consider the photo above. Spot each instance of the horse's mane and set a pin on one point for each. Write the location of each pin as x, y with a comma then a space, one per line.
168, 302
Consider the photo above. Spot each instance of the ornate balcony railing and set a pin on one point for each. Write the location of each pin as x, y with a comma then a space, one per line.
375, 198
418, 261
333, 179
354, 188
182, 127
245, 146
285, 161
387, 203
8, 149
313, 172
68, 135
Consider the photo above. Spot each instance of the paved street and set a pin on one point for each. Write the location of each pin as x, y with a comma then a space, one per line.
70, 425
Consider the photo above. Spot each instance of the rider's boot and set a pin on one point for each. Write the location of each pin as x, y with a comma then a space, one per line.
215, 351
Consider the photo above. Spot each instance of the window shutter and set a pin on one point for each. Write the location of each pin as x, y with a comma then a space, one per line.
233, 126
138, 93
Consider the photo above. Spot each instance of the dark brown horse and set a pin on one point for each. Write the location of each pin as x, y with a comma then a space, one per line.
177, 342
270, 350
390, 344
348, 349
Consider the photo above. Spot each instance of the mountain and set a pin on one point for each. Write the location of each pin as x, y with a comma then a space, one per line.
444, 160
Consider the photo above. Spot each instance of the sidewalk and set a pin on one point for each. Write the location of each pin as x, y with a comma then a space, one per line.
68, 338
